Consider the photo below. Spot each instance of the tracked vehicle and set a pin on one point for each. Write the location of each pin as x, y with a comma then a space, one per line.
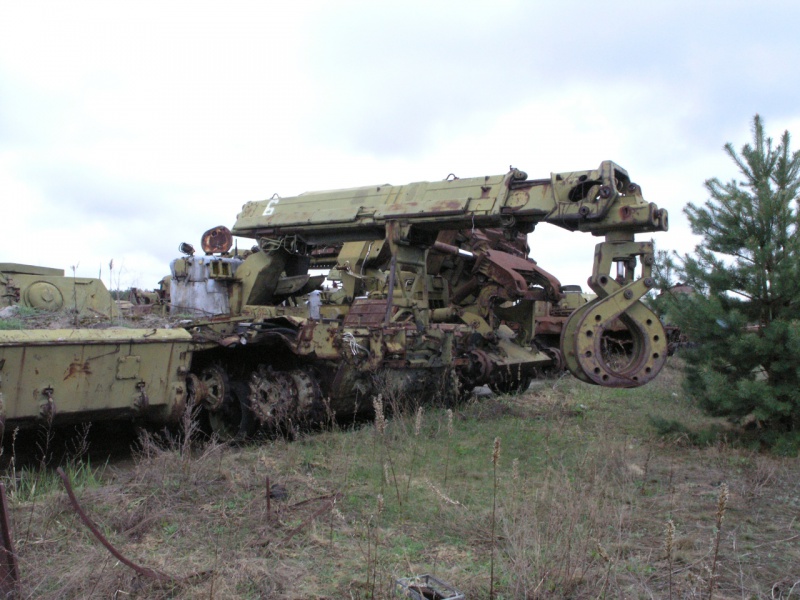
417, 292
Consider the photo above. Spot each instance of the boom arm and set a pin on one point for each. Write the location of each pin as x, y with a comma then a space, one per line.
599, 201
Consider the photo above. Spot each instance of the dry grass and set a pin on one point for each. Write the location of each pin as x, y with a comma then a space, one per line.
584, 492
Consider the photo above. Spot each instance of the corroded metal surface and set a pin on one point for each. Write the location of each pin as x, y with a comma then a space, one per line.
60, 375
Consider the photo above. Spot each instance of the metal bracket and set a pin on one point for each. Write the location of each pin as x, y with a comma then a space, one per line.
141, 402
48, 407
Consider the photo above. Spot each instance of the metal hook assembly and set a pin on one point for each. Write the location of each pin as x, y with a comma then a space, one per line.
592, 348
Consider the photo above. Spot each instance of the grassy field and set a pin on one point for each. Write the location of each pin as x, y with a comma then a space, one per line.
565, 492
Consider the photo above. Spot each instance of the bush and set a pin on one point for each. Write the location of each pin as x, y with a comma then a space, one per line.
746, 279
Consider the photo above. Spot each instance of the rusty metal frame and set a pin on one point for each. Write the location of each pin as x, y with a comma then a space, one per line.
144, 571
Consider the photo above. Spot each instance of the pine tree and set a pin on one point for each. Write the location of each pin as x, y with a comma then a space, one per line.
745, 315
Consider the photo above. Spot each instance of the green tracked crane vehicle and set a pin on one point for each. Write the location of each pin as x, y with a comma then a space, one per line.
415, 292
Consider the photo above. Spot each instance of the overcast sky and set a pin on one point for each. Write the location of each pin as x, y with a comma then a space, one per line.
127, 128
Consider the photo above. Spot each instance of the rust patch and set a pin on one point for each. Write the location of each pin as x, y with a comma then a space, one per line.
441, 208
179, 405
78, 368
307, 332
217, 239
366, 313
550, 325
450, 204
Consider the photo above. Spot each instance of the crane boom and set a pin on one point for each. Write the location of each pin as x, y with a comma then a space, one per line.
598, 201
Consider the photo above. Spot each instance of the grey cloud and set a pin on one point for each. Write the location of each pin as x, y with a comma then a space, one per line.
392, 77
81, 192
